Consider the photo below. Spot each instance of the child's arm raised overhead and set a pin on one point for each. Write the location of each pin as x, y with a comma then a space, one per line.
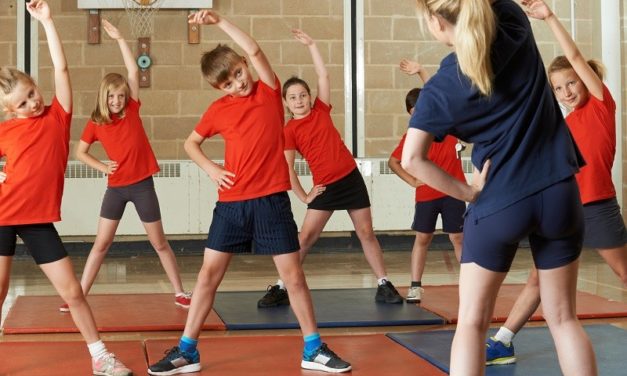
257, 58
217, 173
324, 86
40, 10
539, 10
411, 67
129, 61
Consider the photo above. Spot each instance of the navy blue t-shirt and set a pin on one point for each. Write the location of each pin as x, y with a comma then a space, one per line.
519, 127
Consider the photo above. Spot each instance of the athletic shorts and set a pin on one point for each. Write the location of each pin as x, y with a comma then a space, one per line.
451, 209
266, 223
605, 228
42, 241
347, 193
552, 218
141, 194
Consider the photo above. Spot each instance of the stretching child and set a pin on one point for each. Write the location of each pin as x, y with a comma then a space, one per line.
578, 85
493, 91
338, 185
35, 143
253, 205
116, 123
430, 202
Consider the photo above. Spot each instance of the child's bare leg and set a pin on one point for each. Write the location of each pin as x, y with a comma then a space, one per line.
5, 274
104, 239
616, 258
419, 255
310, 231
362, 220
457, 239
157, 239
291, 272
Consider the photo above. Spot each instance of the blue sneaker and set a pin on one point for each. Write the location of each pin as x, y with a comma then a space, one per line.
496, 352
325, 360
174, 362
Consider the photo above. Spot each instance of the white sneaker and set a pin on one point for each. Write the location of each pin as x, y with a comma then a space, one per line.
414, 294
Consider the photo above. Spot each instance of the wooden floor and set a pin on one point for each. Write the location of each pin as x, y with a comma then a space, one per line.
143, 274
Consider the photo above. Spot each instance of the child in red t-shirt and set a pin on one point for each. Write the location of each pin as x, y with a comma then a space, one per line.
253, 207
117, 125
34, 142
338, 184
578, 85
430, 202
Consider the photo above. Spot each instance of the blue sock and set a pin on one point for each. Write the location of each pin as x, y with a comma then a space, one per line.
312, 343
188, 345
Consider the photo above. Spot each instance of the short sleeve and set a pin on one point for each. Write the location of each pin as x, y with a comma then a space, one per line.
89, 133
432, 112
321, 106
290, 138
206, 127
63, 118
398, 152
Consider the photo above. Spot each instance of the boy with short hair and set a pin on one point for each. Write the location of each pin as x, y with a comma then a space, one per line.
253, 205
429, 202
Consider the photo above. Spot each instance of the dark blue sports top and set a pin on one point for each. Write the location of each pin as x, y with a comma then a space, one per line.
519, 127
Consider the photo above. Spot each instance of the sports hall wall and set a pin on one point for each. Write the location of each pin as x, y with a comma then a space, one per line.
178, 95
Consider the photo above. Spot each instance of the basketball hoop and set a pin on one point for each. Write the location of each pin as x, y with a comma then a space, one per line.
141, 15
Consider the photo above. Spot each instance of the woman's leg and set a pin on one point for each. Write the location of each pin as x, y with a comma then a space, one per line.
558, 288
478, 288
362, 220
310, 231
104, 239
157, 239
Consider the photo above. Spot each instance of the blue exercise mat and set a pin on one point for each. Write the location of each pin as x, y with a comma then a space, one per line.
535, 352
333, 308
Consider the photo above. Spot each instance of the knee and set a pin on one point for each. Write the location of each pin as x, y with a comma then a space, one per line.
306, 239
295, 280
72, 294
161, 245
423, 239
457, 238
365, 233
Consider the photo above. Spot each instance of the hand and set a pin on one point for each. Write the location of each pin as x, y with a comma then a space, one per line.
204, 17
479, 179
222, 178
39, 9
302, 37
112, 166
3, 177
111, 30
537, 9
410, 67
315, 192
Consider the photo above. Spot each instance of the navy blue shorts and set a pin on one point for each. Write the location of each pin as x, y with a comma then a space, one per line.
266, 223
451, 209
142, 194
42, 241
605, 228
552, 218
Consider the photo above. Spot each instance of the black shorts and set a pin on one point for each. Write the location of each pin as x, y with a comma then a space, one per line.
452, 212
42, 241
265, 222
605, 228
552, 218
347, 193
141, 194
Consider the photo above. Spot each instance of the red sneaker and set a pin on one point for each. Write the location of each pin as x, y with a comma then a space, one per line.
64, 308
183, 299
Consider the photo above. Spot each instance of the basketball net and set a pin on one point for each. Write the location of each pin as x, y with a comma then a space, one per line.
141, 15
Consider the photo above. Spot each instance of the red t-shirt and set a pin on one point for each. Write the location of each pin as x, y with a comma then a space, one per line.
594, 129
442, 154
252, 128
317, 140
36, 151
125, 141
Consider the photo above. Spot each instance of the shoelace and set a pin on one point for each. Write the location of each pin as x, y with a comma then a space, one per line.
172, 353
324, 349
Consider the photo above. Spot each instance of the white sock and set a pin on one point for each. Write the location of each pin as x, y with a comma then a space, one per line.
504, 335
281, 284
382, 280
97, 349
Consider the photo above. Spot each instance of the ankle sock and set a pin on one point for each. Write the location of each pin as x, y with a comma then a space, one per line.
312, 343
188, 345
504, 335
382, 280
97, 349
416, 283
281, 284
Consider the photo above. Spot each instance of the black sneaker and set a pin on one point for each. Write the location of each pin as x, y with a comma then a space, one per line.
386, 293
275, 296
325, 360
175, 362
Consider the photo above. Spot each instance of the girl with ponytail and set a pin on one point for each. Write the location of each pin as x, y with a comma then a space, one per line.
492, 91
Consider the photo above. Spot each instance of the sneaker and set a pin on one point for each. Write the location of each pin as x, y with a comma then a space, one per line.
183, 299
386, 293
414, 294
109, 365
325, 360
275, 296
175, 362
64, 308
496, 352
